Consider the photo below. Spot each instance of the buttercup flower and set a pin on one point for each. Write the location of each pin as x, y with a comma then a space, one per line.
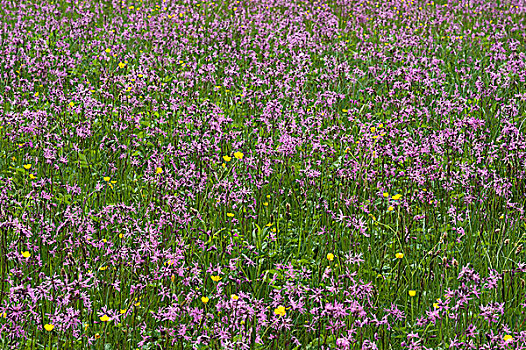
280, 311
215, 278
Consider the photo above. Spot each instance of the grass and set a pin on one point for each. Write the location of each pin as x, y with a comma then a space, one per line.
262, 175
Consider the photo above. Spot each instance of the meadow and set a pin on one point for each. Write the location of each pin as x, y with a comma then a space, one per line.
262, 174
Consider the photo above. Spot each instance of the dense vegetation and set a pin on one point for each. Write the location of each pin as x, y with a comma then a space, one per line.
262, 174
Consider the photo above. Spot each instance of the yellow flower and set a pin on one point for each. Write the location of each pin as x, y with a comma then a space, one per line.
508, 337
399, 255
238, 155
27, 166
397, 197
227, 158
108, 50
412, 293
71, 104
234, 297
32, 177
138, 303
158, 170
435, 305
215, 278
49, 327
102, 268
26, 254
280, 311
122, 65
104, 318
391, 208
106, 178
373, 129
123, 311
204, 300
265, 204
330, 257
230, 215
386, 194
97, 335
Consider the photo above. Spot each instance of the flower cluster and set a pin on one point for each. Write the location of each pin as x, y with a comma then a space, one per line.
243, 174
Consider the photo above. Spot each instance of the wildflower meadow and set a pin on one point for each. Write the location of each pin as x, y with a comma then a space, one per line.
262, 174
